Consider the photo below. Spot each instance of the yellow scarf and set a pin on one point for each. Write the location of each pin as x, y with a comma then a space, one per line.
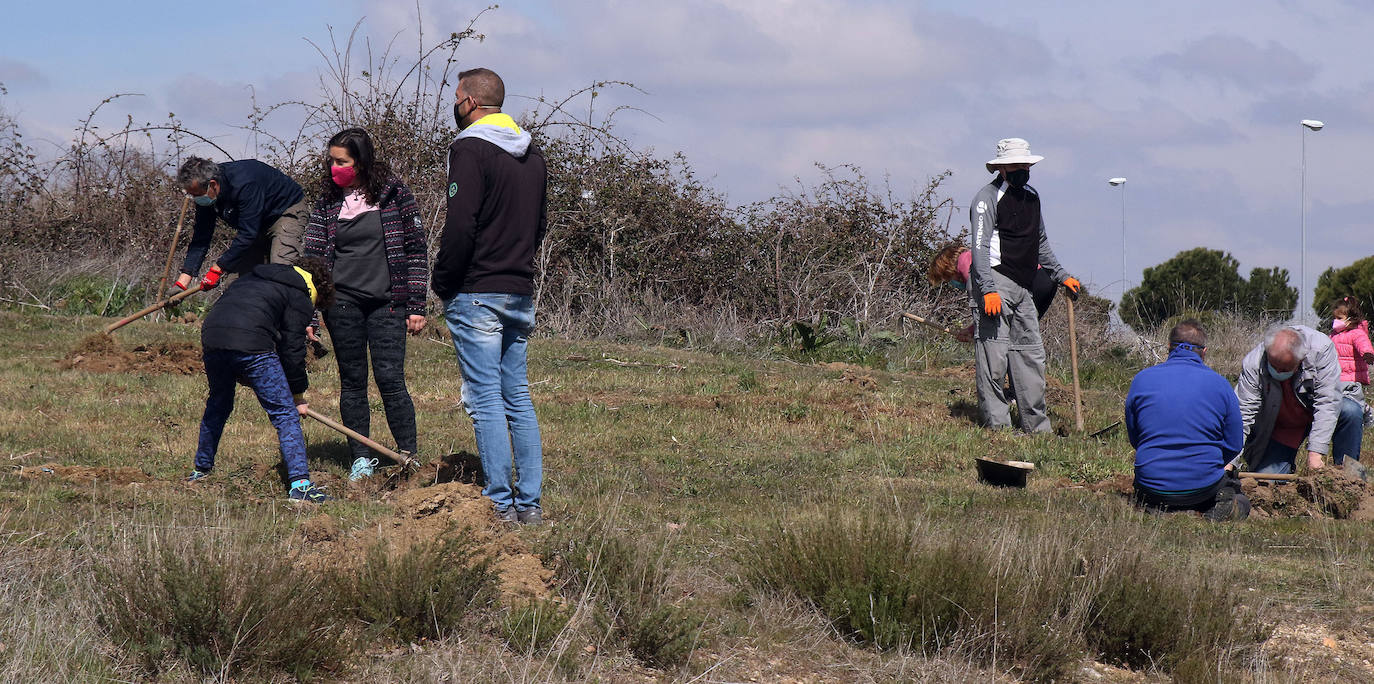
309, 284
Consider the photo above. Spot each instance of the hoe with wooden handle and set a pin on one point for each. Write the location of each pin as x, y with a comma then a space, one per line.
160, 305
927, 322
171, 251
401, 460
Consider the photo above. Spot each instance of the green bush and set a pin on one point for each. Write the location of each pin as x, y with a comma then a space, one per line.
221, 606
95, 295
533, 626
627, 579
1202, 279
1031, 598
424, 592
1355, 280
1144, 616
881, 582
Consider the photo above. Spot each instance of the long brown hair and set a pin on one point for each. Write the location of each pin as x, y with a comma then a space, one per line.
373, 173
945, 266
1348, 308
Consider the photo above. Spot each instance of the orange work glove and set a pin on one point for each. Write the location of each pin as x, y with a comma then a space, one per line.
992, 303
1073, 285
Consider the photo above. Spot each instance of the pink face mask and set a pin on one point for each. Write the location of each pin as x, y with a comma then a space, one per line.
343, 175
1338, 325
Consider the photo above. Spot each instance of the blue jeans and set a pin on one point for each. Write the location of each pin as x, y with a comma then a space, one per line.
491, 335
262, 373
1345, 441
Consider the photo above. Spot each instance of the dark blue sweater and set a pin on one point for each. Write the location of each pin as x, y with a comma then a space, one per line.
252, 196
1184, 422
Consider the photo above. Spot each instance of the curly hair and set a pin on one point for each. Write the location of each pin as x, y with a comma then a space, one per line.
373, 173
1348, 308
320, 277
945, 266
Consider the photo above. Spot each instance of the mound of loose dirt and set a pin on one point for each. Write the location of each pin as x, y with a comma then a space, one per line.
100, 353
1325, 495
425, 514
1330, 494
85, 474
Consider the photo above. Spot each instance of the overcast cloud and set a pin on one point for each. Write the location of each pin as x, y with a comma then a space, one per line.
1197, 104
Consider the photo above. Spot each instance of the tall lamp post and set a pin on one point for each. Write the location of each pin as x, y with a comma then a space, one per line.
1307, 125
1121, 182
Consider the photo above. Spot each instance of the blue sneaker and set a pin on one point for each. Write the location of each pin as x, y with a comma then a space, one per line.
197, 475
305, 490
362, 468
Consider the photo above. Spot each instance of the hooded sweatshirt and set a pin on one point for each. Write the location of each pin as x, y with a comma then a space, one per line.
265, 311
496, 211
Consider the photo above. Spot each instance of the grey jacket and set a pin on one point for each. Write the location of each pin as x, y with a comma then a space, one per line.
982, 217
1317, 383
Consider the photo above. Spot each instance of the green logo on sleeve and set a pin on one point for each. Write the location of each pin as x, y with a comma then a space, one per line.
452, 189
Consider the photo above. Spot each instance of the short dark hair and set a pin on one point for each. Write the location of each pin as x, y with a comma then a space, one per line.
320, 277
1188, 331
484, 86
198, 170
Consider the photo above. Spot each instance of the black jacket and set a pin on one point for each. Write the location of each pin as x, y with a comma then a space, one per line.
265, 310
252, 196
494, 223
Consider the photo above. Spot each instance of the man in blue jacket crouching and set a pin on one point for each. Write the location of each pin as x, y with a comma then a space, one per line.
1184, 422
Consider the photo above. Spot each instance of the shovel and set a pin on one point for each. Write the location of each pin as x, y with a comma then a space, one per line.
160, 305
400, 459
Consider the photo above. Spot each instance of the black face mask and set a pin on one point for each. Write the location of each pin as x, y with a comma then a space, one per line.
1018, 178
458, 118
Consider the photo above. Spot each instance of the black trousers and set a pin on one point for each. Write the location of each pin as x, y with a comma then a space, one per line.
1219, 502
378, 330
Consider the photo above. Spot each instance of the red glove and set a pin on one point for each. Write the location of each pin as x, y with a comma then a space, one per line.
992, 303
178, 284
211, 278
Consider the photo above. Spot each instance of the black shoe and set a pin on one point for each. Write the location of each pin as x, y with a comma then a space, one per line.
530, 516
506, 515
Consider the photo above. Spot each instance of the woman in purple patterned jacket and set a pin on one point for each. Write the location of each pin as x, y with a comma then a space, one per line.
367, 225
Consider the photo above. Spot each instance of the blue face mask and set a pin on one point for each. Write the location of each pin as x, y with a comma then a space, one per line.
203, 200
956, 285
1275, 374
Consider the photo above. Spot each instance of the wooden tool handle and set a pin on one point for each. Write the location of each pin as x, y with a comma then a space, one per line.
162, 304
399, 459
923, 321
1281, 477
1073, 356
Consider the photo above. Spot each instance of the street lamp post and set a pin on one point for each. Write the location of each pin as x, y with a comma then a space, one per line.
1312, 125
1121, 182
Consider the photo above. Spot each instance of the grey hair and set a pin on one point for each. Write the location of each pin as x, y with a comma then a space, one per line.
196, 170
1272, 342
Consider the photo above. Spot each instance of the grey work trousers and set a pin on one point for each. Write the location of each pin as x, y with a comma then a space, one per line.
1010, 343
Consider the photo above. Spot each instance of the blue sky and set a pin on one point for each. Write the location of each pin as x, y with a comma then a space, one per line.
1197, 104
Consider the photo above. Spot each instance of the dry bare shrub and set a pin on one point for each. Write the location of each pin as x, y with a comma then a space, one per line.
221, 604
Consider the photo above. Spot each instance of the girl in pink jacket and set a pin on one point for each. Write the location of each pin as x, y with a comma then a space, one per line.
1350, 333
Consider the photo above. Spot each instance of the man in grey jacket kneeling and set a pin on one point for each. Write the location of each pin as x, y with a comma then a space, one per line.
1290, 390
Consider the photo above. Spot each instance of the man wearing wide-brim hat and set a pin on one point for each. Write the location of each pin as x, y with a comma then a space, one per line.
1009, 244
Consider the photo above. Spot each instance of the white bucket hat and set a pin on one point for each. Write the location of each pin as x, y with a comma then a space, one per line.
1012, 151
